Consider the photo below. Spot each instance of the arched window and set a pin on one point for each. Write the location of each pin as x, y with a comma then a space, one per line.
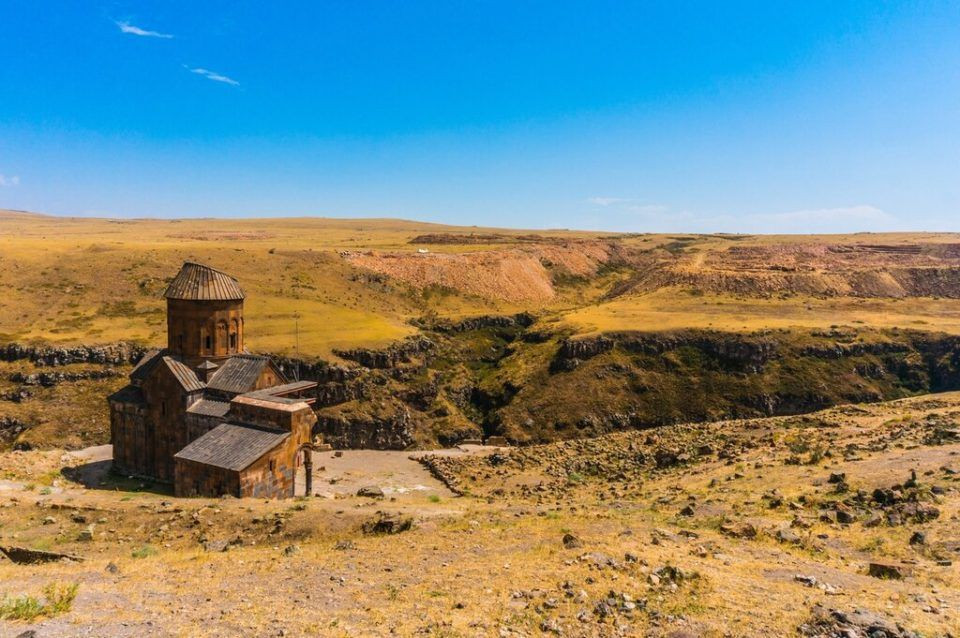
222, 343
206, 340
234, 335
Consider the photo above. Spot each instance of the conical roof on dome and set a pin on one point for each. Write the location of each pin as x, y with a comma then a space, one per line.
203, 283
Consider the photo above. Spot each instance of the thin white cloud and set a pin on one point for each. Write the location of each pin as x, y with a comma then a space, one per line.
627, 205
860, 213
605, 201
646, 209
842, 219
618, 213
13, 180
212, 75
126, 27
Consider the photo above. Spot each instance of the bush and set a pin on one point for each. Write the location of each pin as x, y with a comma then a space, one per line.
58, 599
143, 552
21, 608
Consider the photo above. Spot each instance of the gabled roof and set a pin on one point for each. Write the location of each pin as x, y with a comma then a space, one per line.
127, 394
199, 282
210, 407
232, 447
145, 365
239, 373
284, 389
187, 377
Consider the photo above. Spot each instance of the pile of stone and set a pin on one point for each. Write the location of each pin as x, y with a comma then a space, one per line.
50, 379
902, 504
835, 623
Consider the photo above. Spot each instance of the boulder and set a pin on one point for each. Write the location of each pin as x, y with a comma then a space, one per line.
571, 542
216, 546
386, 523
886, 571
25, 556
786, 535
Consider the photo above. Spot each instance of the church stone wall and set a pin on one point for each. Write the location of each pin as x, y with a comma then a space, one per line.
204, 329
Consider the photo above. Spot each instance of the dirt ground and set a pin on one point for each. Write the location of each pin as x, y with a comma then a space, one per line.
671, 532
336, 474
396, 473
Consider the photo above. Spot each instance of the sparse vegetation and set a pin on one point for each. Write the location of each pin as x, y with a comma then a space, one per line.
675, 528
143, 552
57, 599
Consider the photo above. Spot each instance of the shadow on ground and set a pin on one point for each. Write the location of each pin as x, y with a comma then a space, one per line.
99, 475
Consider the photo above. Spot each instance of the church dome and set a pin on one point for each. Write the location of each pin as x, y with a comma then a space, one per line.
196, 282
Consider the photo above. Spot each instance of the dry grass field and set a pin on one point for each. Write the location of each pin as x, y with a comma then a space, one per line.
358, 282
672, 310
607, 526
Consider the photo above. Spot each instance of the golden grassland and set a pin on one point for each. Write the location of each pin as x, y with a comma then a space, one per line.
675, 309
72, 280
80, 280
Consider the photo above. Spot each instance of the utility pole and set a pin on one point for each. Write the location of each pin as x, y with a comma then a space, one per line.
308, 469
296, 324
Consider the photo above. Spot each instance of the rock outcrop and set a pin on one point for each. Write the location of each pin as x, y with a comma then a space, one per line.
389, 432
113, 354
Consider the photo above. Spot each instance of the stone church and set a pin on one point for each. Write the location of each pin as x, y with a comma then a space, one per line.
203, 413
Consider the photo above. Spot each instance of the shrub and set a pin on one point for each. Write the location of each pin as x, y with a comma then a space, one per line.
21, 608
143, 552
58, 599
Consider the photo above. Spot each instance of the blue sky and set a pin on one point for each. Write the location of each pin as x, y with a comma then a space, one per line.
668, 116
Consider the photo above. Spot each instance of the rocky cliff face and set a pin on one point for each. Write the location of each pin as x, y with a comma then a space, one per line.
393, 432
392, 357
513, 377
114, 353
624, 380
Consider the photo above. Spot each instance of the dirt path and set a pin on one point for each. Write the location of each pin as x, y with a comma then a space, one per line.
396, 473
335, 474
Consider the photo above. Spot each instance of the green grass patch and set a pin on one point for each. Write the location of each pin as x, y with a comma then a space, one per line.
143, 552
57, 599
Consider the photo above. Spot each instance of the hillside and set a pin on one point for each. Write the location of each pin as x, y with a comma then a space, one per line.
423, 335
359, 282
839, 523
701, 425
